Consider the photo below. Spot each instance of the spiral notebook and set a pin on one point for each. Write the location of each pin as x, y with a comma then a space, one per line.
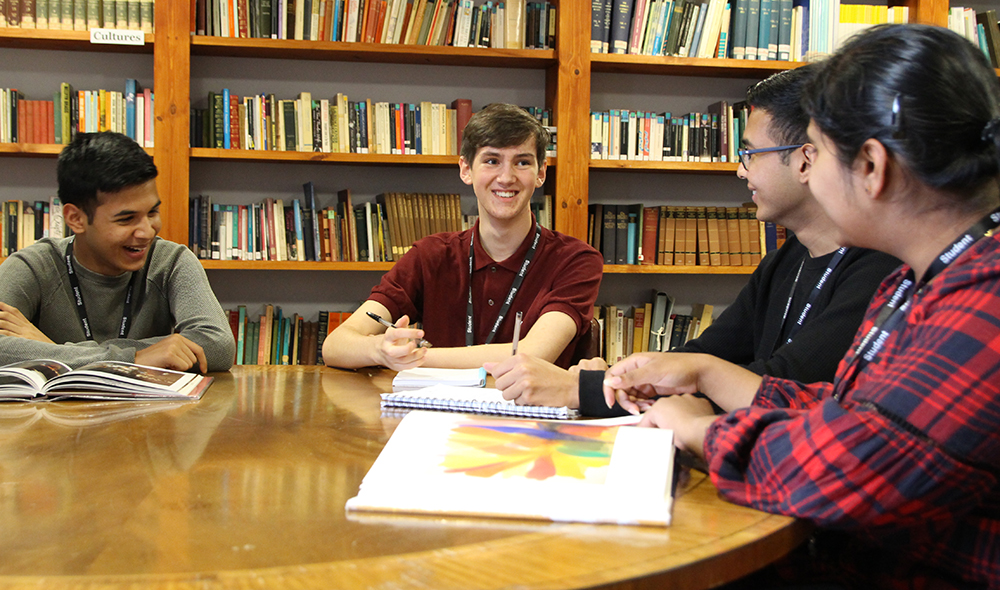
471, 399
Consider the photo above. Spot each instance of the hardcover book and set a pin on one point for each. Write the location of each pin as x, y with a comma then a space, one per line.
106, 380
460, 465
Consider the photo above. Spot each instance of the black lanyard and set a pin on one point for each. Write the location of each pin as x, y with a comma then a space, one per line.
469, 328
810, 303
893, 313
81, 309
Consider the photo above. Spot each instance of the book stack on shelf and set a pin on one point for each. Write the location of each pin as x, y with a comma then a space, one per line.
653, 326
621, 134
787, 30
78, 15
681, 236
513, 24
57, 121
978, 27
274, 338
23, 223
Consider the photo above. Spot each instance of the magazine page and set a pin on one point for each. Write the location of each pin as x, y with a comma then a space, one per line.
25, 380
456, 464
110, 375
193, 389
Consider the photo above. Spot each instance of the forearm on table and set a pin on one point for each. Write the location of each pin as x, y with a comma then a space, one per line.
729, 386
347, 348
14, 349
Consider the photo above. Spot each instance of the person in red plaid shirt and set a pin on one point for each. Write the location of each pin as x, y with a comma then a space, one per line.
897, 461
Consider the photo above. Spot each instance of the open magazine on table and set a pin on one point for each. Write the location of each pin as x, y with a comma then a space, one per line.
46, 379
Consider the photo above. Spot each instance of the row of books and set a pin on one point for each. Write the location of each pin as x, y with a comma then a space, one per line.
512, 24
978, 27
653, 326
298, 230
336, 125
77, 15
694, 137
274, 338
681, 236
379, 231
740, 29
273, 230
77, 111
22, 223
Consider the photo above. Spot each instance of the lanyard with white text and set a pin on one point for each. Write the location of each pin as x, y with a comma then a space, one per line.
81, 309
810, 303
893, 313
469, 337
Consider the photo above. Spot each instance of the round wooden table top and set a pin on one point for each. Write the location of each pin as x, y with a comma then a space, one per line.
246, 489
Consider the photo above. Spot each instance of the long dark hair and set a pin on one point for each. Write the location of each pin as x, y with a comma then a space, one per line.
927, 94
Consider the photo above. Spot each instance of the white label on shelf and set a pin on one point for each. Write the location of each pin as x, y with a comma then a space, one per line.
117, 37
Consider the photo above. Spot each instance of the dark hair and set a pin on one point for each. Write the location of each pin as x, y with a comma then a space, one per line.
927, 94
502, 125
781, 96
106, 162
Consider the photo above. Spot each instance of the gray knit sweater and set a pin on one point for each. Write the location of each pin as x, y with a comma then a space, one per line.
176, 298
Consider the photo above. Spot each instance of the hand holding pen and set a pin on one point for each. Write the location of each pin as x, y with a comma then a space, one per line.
419, 342
517, 333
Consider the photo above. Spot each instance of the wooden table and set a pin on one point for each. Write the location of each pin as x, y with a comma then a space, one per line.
246, 489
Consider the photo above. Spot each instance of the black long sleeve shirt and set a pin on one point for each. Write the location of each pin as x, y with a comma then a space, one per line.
751, 333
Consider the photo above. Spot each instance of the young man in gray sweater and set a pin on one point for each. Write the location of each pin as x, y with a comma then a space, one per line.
113, 291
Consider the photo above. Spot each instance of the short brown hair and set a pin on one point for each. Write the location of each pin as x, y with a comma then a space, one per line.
502, 125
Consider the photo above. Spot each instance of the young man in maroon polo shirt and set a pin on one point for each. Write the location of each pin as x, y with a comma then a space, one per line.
516, 266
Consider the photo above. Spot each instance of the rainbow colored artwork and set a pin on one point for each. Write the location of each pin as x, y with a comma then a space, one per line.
535, 450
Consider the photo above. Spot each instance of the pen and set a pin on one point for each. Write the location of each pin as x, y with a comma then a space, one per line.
517, 331
420, 342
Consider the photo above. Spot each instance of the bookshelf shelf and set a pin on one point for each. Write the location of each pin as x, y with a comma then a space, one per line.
37, 150
687, 66
622, 269
294, 265
645, 269
681, 167
373, 52
64, 41
31, 150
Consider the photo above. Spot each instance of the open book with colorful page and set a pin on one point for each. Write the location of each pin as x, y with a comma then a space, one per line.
105, 380
456, 464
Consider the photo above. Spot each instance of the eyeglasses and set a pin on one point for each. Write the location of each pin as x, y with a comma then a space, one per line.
745, 154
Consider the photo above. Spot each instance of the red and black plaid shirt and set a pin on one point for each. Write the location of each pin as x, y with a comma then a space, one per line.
903, 471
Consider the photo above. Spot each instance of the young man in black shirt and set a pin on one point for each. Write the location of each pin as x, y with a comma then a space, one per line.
788, 321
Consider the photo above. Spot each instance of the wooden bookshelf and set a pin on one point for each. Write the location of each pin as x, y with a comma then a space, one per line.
568, 71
